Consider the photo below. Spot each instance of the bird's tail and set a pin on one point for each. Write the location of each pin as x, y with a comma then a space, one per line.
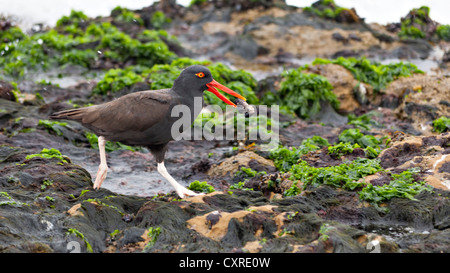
73, 114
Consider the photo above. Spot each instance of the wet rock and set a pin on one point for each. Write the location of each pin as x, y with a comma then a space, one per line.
411, 49
233, 164
300, 130
446, 57
427, 153
354, 37
242, 5
343, 16
338, 37
269, 31
420, 99
244, 46
322, 219
6, 91
428, 242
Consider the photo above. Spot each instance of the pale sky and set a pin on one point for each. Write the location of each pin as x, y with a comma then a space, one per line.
49, 11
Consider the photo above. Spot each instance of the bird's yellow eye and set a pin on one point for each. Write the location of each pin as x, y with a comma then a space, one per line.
200, 74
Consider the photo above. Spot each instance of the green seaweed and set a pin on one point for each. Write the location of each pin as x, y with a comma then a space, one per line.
292, 191
125, 15
153, 234
374, 73
201, 187
327, 9
52, 126
364, 121
303, 93
159, 20
403, 185
115, 80
443, 32
73, 231
240, 186
342, 148
345, 175
85, 58
109, 145
101, 203
75, 18
11, 34
9, 201
49, 198
46, 183
249, 172
197, 2
410, 32
441, 124
127, 48
415, 24
48, 153
79, 41
284, 158
354, 136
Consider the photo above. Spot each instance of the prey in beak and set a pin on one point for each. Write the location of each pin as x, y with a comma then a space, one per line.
212, 88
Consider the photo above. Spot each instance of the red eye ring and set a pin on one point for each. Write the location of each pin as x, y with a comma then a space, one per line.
200, 74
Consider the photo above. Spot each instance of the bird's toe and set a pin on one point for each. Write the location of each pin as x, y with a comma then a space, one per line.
183, 193
101, 176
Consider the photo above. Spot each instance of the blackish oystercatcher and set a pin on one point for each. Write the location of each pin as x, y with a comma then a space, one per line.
144, 118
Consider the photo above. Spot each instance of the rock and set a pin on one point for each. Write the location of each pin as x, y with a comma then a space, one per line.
446, 57
244, 46
434, 242
55, 216
233, 164
354, 37
428, 153
317, 42
242, 5
219, 229
420, 98
328, 116
338, 37
6, 91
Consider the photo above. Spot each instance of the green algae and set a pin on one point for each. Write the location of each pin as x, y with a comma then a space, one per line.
403, 185
77, 233
48, 154
77, 40
371, 72
201, 187
441, 124
303, 93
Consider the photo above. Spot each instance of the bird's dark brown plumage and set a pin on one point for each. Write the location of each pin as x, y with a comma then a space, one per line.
126, 119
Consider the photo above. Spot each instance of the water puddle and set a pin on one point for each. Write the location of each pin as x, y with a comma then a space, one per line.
393, 233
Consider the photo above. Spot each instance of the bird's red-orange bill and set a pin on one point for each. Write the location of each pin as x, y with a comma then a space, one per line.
212, 88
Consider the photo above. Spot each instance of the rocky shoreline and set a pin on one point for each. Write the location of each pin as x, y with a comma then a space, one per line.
368, 172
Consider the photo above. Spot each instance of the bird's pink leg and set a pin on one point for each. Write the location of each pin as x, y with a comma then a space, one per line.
103, 167
181, 191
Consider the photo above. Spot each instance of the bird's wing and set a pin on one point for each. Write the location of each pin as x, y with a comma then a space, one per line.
133, 112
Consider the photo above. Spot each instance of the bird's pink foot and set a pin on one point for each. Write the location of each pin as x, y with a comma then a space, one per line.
101, 176
183, 192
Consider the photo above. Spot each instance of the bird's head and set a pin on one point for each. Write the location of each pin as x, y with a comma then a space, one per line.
198, 78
